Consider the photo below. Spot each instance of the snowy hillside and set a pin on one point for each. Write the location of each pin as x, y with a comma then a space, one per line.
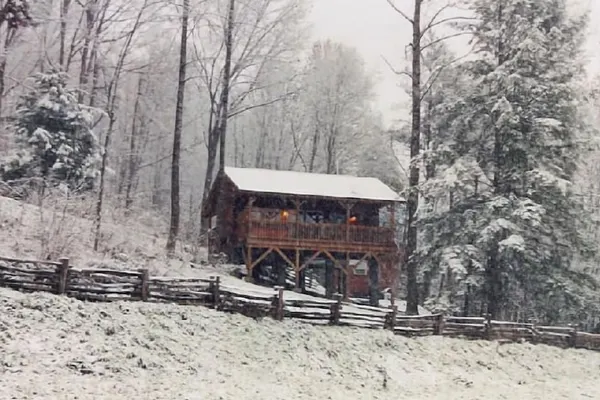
163, 352
62, 229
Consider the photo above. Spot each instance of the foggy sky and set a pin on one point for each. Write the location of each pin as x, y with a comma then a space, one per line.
377, 31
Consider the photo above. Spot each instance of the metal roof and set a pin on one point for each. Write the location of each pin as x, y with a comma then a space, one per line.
310, 184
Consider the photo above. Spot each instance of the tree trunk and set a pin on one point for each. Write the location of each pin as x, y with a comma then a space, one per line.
493, 273
90, 14
213, 142
64, 10
412, 298
10, 34
217, 135
133, 151
103, 166
175, 206
5, 137
226, 83
313, 151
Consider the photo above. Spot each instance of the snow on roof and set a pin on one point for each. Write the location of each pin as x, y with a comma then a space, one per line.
309, 184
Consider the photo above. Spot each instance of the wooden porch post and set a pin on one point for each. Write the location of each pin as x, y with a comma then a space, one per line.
394, 258
249, 263
347, 222
250, 203
347, 273
373, 281
395, 277
296, 234
297, 287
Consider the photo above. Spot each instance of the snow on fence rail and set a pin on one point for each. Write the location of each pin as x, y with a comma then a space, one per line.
115, 285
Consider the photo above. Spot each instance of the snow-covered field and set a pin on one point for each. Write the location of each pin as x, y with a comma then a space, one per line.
54, 347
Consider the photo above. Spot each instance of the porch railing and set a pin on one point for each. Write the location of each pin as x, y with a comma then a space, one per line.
320, 232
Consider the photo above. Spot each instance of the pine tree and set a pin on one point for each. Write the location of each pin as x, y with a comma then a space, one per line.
441, 105
54, 136
508, 228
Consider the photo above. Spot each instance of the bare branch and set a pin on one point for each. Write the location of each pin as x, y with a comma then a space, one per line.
449, 19
432, 22
394, 70
433, 78
434, 42
399, 11
266, 103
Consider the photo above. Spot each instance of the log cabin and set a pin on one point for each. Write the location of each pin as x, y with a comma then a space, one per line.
291, 220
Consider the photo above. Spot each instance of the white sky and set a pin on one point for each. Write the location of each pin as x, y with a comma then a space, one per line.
377, 31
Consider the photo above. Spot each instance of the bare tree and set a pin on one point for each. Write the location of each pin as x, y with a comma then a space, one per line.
91, 13
112, 93
13, 16
418, 88
260, 34
226, 86
337, 95
64, 11
175, 206
137, 128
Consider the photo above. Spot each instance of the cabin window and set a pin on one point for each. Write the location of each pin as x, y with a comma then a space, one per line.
361, 269
312, 217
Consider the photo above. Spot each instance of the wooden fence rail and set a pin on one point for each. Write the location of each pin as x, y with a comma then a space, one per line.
114, 285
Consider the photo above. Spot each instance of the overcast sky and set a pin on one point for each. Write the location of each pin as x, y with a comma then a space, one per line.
377, 31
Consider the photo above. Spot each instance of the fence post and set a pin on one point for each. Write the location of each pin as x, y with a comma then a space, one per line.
534, 332
488, 326
336, 309
439, 325
280, 305
572, 336
277, 304
63, 275
215, 289
145, 284
391, 318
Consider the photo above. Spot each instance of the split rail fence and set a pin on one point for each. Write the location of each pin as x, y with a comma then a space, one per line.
114, 285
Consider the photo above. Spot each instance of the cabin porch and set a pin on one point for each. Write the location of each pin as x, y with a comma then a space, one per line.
323, 225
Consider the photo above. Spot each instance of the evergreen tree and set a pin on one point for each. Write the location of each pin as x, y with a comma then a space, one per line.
508, 227
54, 135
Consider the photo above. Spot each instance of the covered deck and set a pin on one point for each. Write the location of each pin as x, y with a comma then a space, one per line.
323, 236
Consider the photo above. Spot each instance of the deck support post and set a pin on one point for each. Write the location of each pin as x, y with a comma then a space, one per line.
282, 270
340, 273
346, 273
297, 267
373, 282
329, 279
249, 266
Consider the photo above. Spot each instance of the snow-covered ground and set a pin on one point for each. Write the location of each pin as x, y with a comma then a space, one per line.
53, 347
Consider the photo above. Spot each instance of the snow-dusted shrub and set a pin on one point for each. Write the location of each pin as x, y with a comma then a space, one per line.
54, 135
